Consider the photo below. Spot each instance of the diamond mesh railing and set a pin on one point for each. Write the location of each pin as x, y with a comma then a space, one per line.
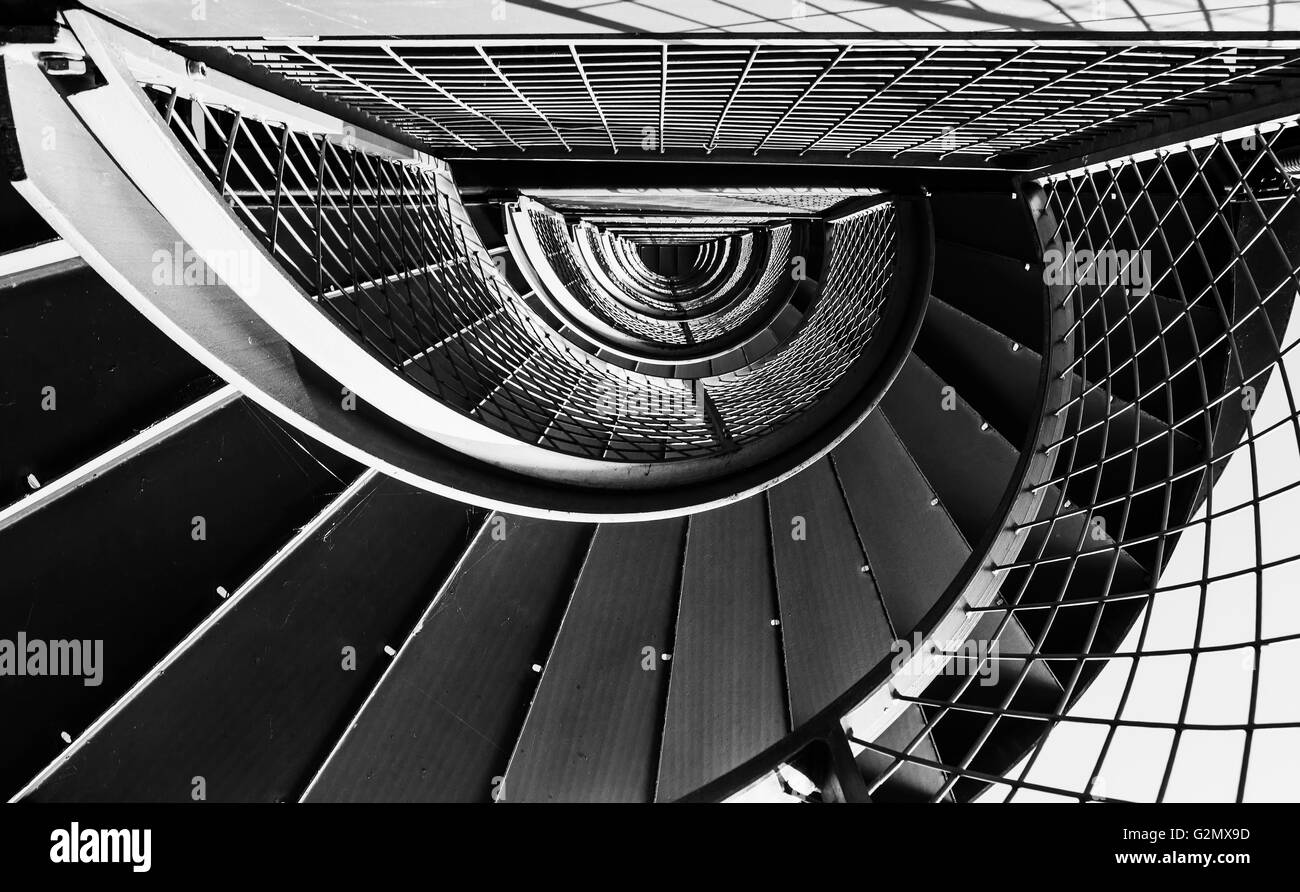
651, 292
377, 247
1149, 618
859, 269
1147, 633
776, 275
702, 201
384, 249
736, 265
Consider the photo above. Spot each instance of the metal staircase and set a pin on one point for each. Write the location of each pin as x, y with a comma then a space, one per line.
919, 501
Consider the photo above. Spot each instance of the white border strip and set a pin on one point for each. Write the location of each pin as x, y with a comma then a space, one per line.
118, 455
25, 260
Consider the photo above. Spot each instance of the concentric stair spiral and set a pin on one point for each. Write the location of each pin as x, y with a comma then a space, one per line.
528, 498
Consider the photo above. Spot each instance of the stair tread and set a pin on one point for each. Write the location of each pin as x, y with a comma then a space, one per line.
1088, 577
254, 701
998, 382
1117, 324
20, 224
994, 288
139, 578
833, 623
971, 488
488, 222
441, 724
995, 222
958, 730
913, 548
112, 374
726, 695
593, 730
911, 782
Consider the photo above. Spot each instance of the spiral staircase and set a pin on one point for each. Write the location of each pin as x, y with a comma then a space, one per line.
379, 487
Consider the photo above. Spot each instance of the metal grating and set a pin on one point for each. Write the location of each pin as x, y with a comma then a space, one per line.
828, 99
723, 263
776, 274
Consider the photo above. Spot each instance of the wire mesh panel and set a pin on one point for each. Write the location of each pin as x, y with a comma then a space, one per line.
776, 276
829, 98
1147, 631
703, 201
860, 271
695, 323
384, 249
377, 245
718, 267
619, 262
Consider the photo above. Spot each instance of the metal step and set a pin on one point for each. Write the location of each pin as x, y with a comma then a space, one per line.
995, 375
1127, 463
977, 739
995, 222
913, 549
252, 701
1144, 347
593, 730
137, 557
834, 628
441, 723
911, 781
726, 695
488, 223
20, 225
936, 426
1003, 292
1075, 559
80, 372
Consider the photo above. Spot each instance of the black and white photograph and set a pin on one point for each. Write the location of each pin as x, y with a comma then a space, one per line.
557, 402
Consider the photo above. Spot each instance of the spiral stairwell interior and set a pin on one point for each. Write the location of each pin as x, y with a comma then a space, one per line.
716, 501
